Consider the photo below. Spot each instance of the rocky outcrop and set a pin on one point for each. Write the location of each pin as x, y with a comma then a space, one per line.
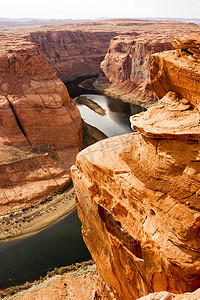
40, 127
182, 72
75, 282
169, 296
127, 63
73, 54
138, 194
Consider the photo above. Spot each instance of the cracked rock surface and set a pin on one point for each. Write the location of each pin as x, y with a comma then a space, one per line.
138, 194
40, 127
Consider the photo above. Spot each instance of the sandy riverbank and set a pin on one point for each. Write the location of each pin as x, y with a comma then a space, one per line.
30, 220
91, 104
35, 218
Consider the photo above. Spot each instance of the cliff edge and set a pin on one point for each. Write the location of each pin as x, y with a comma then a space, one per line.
138, 194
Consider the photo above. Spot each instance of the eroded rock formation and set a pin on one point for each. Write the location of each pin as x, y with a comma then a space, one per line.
169, 296
35, 105
40, 127
76, 50
138, 194
127, 63
73, 54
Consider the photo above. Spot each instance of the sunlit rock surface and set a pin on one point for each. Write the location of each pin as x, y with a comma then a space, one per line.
40, 127
126, 65
138, 194
169, 296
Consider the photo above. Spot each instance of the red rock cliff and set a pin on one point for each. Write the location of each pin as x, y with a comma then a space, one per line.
78, 49
138, 194
40, 126
36, 111
127, 63
73, 54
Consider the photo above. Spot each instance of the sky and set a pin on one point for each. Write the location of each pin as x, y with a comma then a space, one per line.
92, 9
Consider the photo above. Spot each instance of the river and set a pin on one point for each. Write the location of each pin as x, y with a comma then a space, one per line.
61, 244
116, 118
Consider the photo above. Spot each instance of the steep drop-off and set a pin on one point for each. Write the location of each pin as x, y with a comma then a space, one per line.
76, 50
40, 127
138, 194
127, 66
73, 54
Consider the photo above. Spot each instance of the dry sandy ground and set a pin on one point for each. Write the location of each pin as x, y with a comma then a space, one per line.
79, 284
30, 220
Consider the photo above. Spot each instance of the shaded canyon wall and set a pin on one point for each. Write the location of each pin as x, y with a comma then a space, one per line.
77, 50
73, 54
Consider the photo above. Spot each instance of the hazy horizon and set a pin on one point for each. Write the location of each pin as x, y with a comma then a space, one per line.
95, 19
88, 9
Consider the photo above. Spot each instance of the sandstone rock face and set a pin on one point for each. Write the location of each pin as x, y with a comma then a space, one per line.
40, 127
127, 63
73, 53
181, 70
168, 296
76, 50
138, 194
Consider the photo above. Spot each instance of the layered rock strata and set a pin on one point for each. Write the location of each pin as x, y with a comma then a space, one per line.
40, 127
126, 65
76, 50
73, 54
35, 106
138, 194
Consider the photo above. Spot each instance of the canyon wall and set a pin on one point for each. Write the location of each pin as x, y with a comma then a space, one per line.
40, 127
76, 50
138, 194
126, 65
73, 54
40, 124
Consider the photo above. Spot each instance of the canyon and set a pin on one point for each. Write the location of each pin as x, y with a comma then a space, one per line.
40, 124
120, 50
140, 190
